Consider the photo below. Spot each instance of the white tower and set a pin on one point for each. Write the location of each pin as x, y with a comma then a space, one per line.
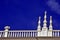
39, 27
44, 31
50, 28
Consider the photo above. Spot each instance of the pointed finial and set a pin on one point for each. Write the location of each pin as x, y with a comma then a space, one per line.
45, 12
39, 26
50, 26
50, 19
39, 17
45, 21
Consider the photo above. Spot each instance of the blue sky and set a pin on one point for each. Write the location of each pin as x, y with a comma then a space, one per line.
23, 14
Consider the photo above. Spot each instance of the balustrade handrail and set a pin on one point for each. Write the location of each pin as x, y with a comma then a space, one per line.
56, 30
22, 31
1, 31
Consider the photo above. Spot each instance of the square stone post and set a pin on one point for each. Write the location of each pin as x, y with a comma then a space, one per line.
6, 31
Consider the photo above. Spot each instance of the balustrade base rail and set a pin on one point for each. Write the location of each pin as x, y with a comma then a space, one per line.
30, 38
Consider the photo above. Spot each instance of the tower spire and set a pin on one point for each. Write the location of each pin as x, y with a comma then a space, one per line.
50, 26
39, 27
44, 22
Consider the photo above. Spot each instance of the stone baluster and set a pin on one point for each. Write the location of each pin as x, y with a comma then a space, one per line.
0, 34
10, 34
55, 34
31, 34
58, 33
13, 34
17, 34
28, 34
20, 34
24, 34
35, 34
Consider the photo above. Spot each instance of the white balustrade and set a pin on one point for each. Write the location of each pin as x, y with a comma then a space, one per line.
56, 33
1, 33
26, 33
22, 33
